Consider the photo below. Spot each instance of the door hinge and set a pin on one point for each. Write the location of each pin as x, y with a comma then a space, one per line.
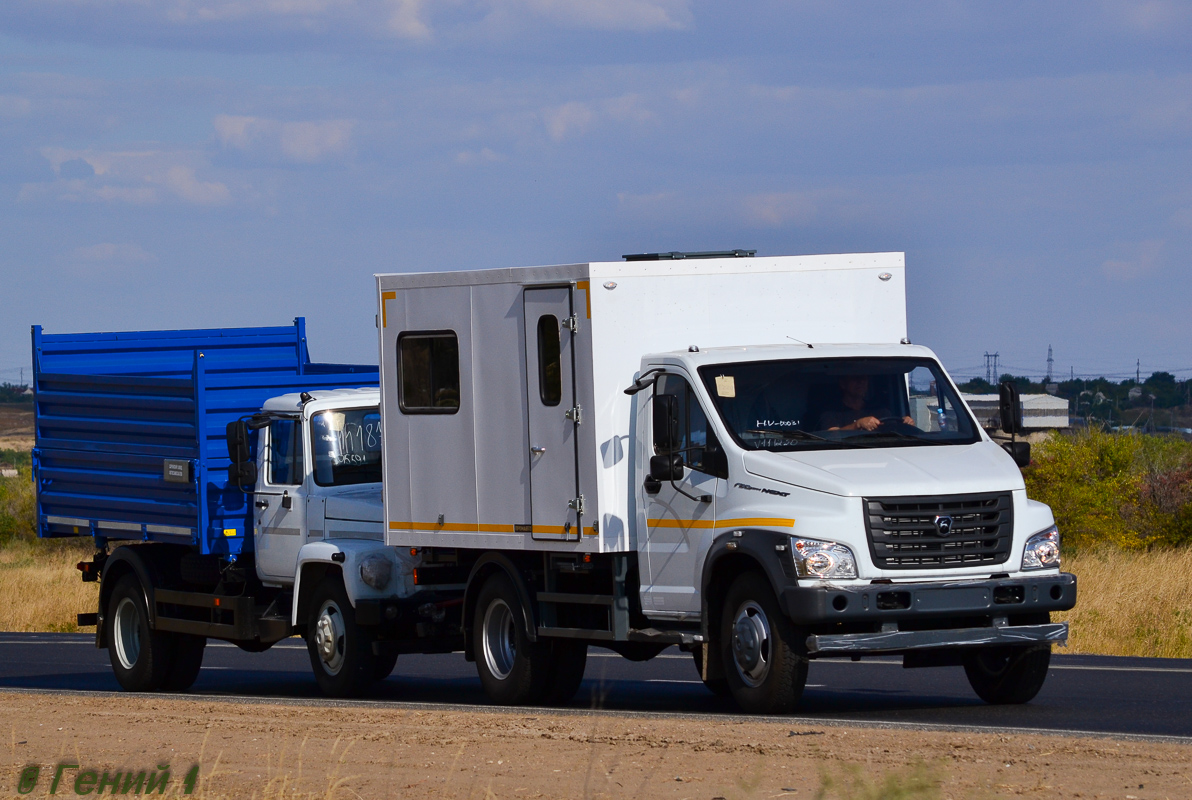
575, 414
577, 504
571, 323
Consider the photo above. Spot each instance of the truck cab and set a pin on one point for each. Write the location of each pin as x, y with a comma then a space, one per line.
855, 478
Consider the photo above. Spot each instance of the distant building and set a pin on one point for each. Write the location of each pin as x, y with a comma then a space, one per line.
1039, 411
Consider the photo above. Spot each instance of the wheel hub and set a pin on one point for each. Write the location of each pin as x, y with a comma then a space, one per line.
499, 639
751, 644
127, 633
329, 637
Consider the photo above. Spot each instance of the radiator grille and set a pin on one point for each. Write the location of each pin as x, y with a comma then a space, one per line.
913, 532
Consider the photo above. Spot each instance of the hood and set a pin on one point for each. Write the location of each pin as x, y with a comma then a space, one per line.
361, 504
892, 471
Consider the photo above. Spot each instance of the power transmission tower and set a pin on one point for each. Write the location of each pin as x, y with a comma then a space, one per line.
991, 373
1050, 364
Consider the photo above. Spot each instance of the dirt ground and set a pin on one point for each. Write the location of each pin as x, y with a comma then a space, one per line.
289, 751
16, 427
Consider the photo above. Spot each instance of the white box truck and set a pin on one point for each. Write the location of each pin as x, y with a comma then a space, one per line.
742, 456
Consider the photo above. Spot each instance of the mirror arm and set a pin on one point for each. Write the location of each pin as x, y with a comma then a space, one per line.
640, 382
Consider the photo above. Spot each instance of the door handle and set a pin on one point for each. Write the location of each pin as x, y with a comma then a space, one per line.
262, 504
536, 450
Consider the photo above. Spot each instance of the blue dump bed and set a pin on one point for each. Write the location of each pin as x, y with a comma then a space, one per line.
130, 427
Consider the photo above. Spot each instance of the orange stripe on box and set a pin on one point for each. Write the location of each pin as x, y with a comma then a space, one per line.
384, 312
587, 287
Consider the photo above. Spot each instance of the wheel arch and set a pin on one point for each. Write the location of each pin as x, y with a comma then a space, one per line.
737, 552
310, 575
489, 564
146, 562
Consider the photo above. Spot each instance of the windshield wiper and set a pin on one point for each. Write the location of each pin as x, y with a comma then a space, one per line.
799, 435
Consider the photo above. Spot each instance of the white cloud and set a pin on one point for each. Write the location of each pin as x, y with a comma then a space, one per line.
130, 176
112, 252
568, 119
305, 142
1143, 258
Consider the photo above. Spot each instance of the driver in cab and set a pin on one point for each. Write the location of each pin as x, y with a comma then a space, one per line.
855, 414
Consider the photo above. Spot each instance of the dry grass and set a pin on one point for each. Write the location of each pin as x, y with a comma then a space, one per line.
40, 589
1131, 603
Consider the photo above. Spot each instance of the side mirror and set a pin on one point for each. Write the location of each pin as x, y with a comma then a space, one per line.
243, 470
666, 424
666, 468
1010, 407
1020, 452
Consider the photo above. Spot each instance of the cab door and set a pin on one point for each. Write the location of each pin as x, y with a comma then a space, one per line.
550, 402
280, 506
681, 516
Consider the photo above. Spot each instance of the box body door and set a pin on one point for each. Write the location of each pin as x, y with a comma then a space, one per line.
550, 404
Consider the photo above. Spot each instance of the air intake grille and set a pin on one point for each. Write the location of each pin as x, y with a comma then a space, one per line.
939, 532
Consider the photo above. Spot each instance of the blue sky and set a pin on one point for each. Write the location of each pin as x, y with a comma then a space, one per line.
186, 163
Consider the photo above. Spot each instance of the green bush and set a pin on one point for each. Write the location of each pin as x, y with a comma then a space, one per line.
1127, 490
17, 507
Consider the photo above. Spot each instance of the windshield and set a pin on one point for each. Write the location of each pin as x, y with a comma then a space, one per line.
346, 446
816, 404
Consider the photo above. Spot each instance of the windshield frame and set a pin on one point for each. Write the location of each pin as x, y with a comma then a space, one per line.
816, 439
316, 448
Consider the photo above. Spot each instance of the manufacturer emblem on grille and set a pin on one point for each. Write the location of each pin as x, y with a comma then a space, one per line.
943, 525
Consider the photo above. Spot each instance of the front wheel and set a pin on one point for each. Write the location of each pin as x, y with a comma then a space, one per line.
512, 669
1007, 675
340, 650
764, 659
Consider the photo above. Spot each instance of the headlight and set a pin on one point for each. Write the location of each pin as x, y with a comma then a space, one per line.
1042, 550
815, 559
375, 571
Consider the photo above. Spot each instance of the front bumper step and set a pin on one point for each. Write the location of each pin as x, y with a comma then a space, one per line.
900, 641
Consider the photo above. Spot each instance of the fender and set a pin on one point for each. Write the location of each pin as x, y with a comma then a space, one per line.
345, 556
760, 546
487, 563
142, 560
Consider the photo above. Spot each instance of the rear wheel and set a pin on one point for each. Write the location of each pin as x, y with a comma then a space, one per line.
340, 650
763, 655
512, 669
1007, 675
141, 658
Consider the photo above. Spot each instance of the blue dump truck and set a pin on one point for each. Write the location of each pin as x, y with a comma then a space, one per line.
136, 434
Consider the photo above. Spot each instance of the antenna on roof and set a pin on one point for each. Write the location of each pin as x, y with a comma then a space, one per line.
800, 341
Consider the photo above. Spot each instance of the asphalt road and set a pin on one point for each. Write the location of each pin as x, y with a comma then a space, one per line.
1083, 694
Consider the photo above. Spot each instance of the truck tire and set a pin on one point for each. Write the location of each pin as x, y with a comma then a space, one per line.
187, 661
570, 658
1007, 675
141, 658
513, 670
763, 654
340, 650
